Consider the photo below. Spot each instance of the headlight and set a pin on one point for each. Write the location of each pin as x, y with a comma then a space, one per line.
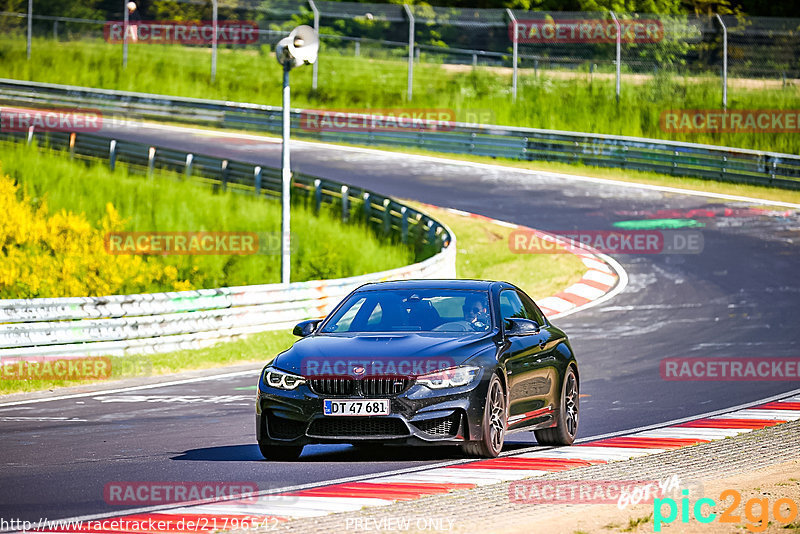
282, 380
449, 378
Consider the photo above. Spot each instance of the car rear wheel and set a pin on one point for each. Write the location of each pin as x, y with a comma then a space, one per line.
567, 425
493, 426
279, 453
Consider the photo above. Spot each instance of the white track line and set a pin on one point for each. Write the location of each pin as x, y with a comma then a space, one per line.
133, 388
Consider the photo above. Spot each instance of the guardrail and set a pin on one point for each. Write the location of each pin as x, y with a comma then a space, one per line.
148, 323
666, 157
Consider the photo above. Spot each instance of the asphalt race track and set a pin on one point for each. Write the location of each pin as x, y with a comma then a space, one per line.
737, 298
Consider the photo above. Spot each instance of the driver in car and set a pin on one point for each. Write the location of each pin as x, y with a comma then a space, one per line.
476, 313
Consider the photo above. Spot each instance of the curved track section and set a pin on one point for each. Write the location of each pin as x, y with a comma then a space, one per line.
737, 298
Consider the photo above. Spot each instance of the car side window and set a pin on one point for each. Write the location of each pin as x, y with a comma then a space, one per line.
511, 306
531, 310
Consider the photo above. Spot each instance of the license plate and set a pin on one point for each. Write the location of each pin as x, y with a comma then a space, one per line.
356, 407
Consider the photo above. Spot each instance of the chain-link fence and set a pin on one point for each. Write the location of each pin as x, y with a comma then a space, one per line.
622, 46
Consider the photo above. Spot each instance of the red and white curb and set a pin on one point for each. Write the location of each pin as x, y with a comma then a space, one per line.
385, 490
603, 279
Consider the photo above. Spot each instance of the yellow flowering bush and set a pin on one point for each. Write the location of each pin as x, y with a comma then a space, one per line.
62, 255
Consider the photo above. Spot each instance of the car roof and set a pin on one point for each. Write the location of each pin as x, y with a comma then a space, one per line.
479, 285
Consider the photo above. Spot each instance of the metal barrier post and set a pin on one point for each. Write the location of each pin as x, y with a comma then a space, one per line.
315, 66
410, 51
214, 37
188, 167
367, 208
112, 154
514, 52
257, 179
387, 216
724, 62
317, 195
619, 50
224, 174
345, 203
151, 161
404, 224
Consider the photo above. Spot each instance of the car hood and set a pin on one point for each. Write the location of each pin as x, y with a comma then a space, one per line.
408, 352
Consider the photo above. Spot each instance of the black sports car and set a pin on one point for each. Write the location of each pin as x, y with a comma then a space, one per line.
421, 362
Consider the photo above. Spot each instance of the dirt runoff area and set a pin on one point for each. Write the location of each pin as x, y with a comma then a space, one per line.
742, 499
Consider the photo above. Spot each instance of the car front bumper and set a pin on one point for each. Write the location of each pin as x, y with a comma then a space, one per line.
419, 416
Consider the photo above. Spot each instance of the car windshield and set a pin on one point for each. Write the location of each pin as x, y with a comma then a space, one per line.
412, 310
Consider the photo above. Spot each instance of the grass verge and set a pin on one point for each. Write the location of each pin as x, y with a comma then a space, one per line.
323, 247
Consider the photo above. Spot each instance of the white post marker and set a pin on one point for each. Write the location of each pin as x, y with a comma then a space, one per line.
724, 62
125, 26
410, 51
300, 48
315, 66
30, 27
214, 38
514, 52
619, 49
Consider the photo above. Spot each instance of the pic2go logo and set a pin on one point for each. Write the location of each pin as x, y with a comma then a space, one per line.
756, 511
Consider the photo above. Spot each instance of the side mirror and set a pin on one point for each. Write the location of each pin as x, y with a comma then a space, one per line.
306, 328
521, 327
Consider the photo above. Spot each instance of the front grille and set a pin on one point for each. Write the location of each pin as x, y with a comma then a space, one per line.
358, 426
283, 428
332, 386
440, 426
380, 386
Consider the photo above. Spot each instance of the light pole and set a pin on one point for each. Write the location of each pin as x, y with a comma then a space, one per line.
300, 48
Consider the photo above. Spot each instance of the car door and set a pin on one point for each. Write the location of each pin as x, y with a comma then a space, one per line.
529, 362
